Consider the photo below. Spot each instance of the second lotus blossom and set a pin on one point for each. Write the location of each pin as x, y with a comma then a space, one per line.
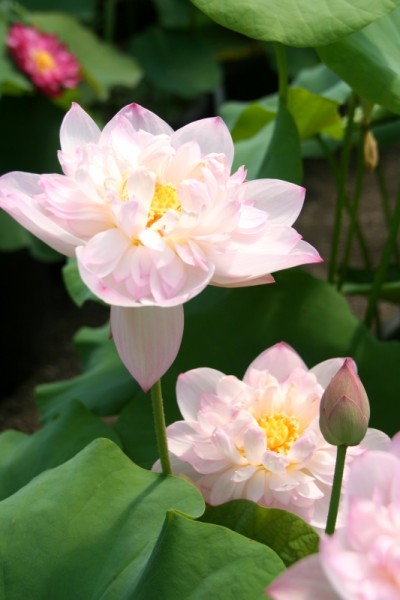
259, 438
153, 216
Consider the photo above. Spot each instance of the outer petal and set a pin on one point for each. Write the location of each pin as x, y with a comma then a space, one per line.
140, 118
303, 581
211, 134
77, 129
324, 371
147, 340
191, 385
280, 360
17, 191
281, 200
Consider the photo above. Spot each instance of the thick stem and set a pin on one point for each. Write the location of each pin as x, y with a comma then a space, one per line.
281, 62
160, 428
336, 489
341, 192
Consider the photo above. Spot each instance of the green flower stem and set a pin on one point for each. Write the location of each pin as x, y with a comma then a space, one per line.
341, 192
160, 428
336, 489
383, 264
354, 209
281, 61
109, 20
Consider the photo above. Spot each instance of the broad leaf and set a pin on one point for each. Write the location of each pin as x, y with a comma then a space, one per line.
176, 61
369, 61
101, 527
22, 457
296, 22
288, 535
77, 290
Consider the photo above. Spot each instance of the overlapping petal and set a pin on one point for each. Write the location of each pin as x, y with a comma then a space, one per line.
259, 438
153, 216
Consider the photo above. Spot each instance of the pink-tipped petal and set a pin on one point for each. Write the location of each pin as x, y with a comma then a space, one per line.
303, 581
77, 129
325, 370
141, 119
147, 339
211, 134
280, 360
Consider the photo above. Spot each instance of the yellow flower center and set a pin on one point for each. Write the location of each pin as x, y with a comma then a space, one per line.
43, 61
281, 431
165, 198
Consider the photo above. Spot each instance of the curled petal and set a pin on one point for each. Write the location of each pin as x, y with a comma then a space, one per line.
147, 340
191, 385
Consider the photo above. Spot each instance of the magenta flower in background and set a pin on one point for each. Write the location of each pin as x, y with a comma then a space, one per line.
46, 61
361, 561
153, 216
259, 438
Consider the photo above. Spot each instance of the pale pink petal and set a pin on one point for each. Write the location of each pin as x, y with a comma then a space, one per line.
279, 360
305, 580
16, 191
191, 385
147, 339
325, 370
282, 201
375, 440
220, 281
395, 445
254, 445
77, 129
381, 468
140, 118
211, 134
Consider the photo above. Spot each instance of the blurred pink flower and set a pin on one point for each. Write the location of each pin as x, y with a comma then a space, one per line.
44, 59
361, 561
153, 216
259, 438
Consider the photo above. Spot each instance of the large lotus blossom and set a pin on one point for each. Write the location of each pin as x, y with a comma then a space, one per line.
153, 216
361, 561
46, 61
259, 438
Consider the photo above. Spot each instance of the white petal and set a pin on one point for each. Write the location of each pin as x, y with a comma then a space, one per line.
147, 340
279, 360
324, 371
139, 118
211, 134
305, 580
191, 385
282, 201
77, 129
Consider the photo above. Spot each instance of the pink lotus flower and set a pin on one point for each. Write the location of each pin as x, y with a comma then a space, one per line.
46, 61
154, 216
361, 561
259, 438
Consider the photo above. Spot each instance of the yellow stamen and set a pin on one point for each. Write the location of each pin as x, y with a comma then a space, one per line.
165, 198
281, 431
43, 61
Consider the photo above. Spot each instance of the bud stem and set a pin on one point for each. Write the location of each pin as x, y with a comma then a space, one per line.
336, 489
160, 428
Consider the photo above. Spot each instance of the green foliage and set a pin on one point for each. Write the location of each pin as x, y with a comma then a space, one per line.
288, 535
77, 290
177, 61
100, 527
104, 386
359, 283
296, 22
22, 457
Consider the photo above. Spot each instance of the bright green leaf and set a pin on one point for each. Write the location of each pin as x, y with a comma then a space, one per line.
177, 61
369, 61
314, 114
100, 527
103, 65
283, 157
324, 82
288, 535
296, 22
251, 120
25, 456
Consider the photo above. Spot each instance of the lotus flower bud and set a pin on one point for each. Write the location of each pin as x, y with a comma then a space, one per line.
344, 409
